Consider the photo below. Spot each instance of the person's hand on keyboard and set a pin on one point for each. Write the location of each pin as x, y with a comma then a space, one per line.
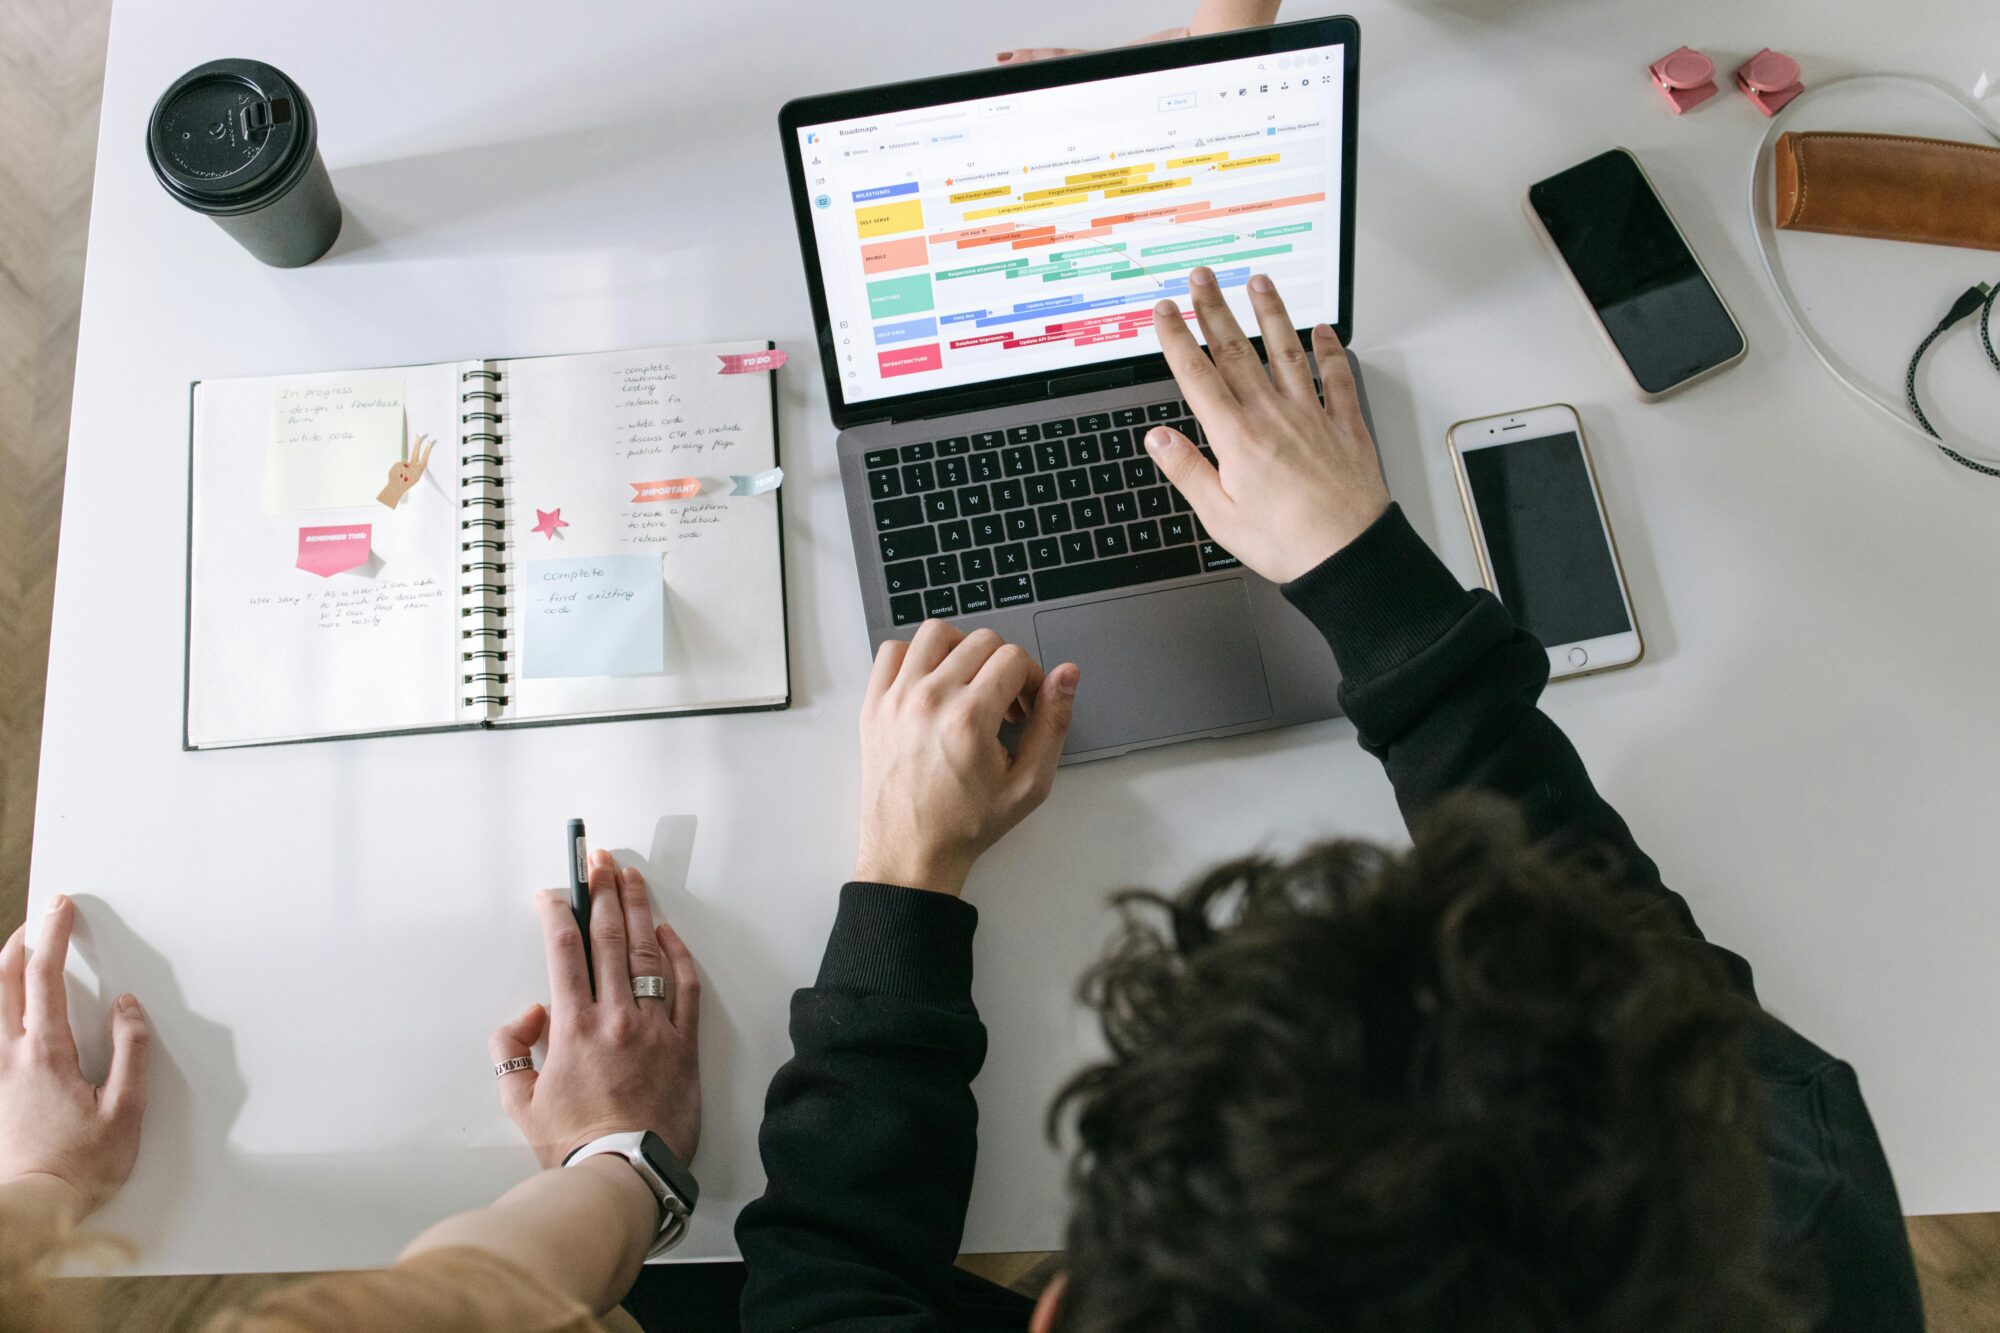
937, 786
1293, 479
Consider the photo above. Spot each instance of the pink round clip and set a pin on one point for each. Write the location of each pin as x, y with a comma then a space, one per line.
1686, 69
1771, 72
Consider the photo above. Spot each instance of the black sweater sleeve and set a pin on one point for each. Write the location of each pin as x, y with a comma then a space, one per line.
1442, 688
870, 1132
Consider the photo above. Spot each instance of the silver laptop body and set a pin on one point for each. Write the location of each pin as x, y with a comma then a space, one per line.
1213, 651
1022, 499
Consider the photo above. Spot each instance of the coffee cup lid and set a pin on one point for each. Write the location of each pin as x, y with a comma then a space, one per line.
230, 135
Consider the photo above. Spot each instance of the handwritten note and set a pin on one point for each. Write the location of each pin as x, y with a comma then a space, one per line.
332, 443
364, 607
597, 616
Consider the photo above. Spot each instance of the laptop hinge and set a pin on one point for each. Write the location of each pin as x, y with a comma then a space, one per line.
1056, 386
951, 404
1088, 381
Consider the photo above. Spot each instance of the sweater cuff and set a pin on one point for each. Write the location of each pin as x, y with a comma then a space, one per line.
912, 944
1381, 599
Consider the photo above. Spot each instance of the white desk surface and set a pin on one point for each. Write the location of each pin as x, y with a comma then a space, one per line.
324, 934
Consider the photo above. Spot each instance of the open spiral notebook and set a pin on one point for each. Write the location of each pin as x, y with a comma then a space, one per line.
485, 544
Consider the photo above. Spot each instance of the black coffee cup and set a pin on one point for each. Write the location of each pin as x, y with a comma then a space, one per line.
237, 140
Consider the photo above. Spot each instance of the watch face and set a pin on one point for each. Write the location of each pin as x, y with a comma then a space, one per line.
670, 1169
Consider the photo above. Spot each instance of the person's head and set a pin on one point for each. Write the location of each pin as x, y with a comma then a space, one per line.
1453, 1088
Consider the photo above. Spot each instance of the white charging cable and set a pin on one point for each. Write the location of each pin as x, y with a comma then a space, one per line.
1766, 245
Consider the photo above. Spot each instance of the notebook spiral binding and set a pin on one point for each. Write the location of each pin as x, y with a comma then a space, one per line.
481, 398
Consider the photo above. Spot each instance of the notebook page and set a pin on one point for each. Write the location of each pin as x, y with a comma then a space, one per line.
604, 452
317, 621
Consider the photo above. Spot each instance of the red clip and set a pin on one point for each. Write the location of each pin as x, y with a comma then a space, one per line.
1770, 79
1686, 78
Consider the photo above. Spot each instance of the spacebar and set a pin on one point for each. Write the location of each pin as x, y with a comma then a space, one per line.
1118, 572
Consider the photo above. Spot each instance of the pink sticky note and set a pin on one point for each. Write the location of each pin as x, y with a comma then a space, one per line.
745, 363
330, 551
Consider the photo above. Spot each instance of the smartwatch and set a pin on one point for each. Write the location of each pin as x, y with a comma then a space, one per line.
669, 1179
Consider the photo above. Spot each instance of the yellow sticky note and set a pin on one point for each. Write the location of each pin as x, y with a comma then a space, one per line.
881, 219
332, 443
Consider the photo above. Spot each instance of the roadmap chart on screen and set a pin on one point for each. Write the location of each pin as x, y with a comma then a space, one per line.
971, 242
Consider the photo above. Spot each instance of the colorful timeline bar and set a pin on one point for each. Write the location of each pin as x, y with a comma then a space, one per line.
1262, 252
1092, 329
906, 302
1066, 305
885, 191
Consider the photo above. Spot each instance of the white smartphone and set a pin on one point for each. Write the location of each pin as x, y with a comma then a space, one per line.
1545, 545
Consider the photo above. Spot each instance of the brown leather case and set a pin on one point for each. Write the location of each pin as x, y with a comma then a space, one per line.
1891, 187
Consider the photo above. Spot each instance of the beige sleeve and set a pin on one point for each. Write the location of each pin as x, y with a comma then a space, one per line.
438, 1291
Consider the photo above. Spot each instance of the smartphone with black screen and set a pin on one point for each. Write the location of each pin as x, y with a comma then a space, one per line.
1544, 541
1650, 296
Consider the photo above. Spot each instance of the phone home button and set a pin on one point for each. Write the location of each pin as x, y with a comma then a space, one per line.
1577, 657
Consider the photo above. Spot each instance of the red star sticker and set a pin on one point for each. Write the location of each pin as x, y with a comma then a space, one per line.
547, 521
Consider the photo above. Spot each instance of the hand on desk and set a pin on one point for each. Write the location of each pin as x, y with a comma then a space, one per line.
1020, 55
615, 1063
1294, 479
1209, 16
60, 1136
937, 786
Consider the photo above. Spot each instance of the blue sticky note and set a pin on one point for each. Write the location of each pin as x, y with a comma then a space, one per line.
595, 616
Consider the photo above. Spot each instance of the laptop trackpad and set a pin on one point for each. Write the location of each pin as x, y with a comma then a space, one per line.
1159, 664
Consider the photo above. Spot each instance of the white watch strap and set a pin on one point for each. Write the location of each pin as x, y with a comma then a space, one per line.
673, 1214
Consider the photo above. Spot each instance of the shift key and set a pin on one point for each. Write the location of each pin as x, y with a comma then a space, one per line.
1118, 572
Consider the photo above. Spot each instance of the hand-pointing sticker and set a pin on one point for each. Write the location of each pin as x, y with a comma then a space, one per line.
404, 475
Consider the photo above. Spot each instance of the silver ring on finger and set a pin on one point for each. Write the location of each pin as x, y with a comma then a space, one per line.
513, 1066
649, 988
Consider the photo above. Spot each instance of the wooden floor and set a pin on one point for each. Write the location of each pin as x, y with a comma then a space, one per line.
51, 68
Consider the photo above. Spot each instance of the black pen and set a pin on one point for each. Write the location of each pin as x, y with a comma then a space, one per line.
579, 892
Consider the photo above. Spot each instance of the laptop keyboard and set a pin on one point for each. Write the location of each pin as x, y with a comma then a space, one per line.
975, 523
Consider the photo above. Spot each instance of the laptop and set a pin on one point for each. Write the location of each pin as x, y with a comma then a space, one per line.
984, 252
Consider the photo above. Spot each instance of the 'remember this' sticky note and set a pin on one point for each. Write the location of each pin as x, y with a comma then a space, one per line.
334, 550
331, 443
593, 616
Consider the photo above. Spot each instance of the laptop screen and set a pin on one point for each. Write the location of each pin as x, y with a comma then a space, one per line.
964, 242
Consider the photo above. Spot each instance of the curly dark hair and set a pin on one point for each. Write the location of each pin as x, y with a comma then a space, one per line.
1453, 1090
